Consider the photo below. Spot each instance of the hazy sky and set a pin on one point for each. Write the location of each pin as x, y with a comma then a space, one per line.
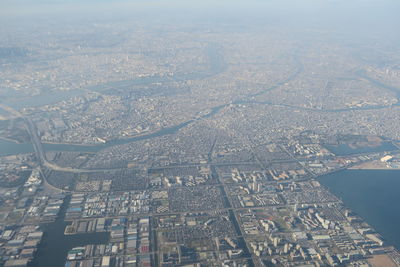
350, 17
337, 8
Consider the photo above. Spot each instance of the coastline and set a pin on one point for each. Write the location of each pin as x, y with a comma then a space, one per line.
369, 193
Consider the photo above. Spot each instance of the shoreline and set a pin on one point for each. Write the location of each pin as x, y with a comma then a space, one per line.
347, 198
13, 141
373, 165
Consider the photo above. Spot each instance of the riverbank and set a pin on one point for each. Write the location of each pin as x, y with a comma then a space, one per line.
10, 140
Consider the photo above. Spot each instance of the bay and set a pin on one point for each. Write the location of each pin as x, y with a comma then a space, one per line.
372, 194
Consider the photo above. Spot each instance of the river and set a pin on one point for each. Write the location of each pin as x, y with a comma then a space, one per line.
12, 148
373, 194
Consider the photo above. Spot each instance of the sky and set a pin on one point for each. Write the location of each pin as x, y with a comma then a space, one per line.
363, 18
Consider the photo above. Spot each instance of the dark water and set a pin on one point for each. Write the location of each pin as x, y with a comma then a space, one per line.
374, 195
55, 245
344, 150
12, 148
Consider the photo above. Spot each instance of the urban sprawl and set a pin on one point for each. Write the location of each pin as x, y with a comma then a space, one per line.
190, 148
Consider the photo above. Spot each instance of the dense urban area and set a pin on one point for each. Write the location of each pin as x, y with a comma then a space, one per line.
150, 144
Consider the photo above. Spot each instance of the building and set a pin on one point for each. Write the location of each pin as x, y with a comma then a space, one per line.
386, 158
17, 263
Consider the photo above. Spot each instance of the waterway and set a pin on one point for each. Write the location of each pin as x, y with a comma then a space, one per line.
12, 148
53, 249
372, 194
